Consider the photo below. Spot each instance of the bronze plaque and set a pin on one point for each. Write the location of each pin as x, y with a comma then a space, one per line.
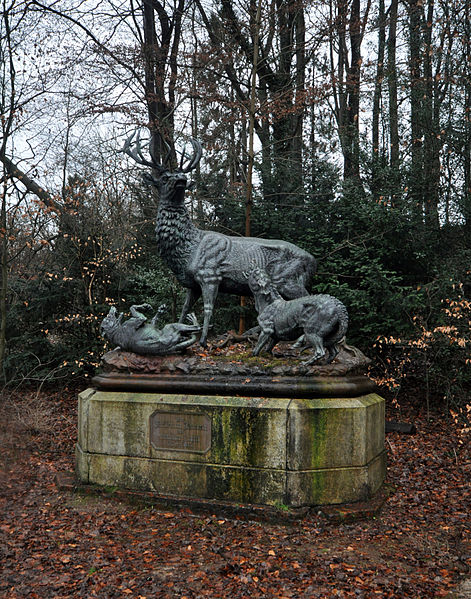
180, 431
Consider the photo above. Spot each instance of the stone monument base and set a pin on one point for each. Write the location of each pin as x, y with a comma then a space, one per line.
273, 451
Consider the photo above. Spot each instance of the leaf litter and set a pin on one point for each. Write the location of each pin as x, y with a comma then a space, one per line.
55, 544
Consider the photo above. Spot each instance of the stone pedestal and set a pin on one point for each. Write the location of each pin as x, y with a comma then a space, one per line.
275, 451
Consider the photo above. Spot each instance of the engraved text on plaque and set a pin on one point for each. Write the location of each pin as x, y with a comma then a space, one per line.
177, 431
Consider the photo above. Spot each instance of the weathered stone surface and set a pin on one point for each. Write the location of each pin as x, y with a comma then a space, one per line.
261, 450
336, 485
287, 362
245, 431
185, 479
326, 433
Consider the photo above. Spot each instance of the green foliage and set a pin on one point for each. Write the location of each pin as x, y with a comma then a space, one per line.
437, 352
362, 254
153, 283
51, 334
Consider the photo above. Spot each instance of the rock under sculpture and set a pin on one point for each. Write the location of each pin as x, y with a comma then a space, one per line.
142, 337
317, 321
206, 262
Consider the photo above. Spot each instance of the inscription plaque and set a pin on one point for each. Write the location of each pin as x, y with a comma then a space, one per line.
180, 431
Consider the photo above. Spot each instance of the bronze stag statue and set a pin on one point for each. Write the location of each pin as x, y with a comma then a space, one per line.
207, 262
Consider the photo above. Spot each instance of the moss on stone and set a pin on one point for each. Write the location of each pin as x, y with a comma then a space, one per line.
240, 435
319, 423
131, 427
266, 361
291, 452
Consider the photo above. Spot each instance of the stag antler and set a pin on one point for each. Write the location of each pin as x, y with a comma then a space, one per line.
193, 162
135, 152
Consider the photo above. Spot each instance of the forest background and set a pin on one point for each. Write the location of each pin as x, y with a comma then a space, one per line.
340, 125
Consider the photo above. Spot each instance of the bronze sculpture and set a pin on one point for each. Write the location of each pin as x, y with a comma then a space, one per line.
207, 262
317, 321
142, 337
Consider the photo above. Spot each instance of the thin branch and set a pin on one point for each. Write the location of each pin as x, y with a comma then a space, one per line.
91, 36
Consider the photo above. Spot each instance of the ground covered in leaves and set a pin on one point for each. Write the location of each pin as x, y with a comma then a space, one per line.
56, 544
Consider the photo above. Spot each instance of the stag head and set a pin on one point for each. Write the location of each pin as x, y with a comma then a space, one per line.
171, 184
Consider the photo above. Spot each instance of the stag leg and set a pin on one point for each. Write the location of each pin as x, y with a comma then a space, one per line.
271, 344
191, 296
210, 292
299, 342
265, 337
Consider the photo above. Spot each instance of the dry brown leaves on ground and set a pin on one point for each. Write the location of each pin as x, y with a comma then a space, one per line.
55, 544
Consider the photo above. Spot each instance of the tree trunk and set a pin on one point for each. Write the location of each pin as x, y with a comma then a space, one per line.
312, 140
353, 91
267, 155
395, 173
377, 159
4, 274
431, 134
160, 53
416, 182
466, 208
346, 83
287, 140
300, 53
249, 187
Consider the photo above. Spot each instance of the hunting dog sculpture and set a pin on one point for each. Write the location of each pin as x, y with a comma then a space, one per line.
207, 262
318, 321
142, 337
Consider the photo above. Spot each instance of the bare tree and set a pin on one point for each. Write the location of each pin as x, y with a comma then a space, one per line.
280, 70
377, 158
347, 29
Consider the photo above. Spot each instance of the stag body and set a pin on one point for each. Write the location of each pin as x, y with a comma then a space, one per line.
206, 262
319, 320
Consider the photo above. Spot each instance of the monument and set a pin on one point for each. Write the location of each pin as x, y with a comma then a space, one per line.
256, 428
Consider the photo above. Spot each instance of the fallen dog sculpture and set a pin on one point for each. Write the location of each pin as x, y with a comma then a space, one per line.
142, 337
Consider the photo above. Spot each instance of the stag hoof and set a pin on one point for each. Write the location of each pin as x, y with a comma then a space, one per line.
315, 358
